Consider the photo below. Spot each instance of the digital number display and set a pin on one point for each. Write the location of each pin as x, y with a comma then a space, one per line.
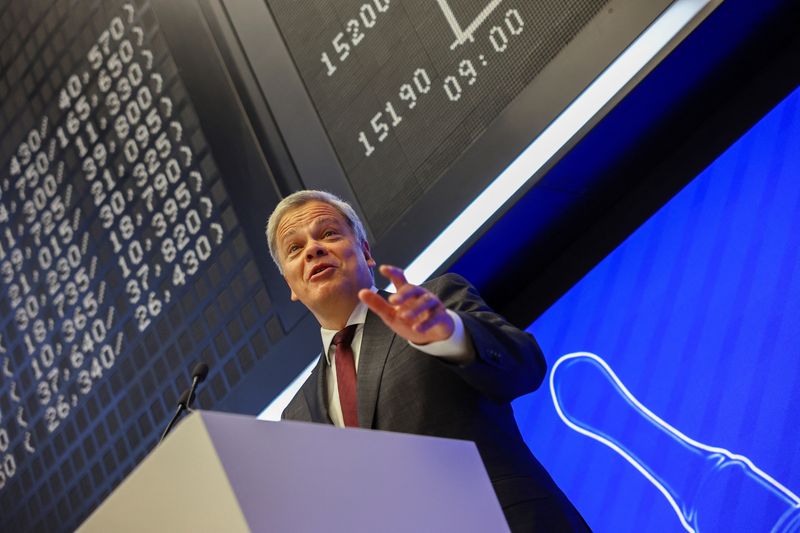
142, 194
403, 88
121, 259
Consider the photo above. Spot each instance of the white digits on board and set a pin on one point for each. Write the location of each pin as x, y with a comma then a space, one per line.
389, 118
353, 33
499, 37
135, 164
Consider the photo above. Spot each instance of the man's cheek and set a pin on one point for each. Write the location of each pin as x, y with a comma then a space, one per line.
289, 284
348, 254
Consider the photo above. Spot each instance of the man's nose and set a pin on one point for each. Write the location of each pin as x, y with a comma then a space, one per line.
314, 249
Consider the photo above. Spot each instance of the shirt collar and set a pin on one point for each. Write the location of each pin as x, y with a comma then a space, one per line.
358, 316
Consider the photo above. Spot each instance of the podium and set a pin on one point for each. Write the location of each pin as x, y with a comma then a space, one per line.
233, 473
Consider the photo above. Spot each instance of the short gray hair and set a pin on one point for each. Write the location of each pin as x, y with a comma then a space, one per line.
299, 198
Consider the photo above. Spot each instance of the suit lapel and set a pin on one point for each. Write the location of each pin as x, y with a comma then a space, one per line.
376, 342
314, 391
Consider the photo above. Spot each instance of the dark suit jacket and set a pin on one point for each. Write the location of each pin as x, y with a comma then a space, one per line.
402, 389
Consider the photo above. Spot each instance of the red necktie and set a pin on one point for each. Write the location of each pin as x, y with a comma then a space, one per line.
346, 375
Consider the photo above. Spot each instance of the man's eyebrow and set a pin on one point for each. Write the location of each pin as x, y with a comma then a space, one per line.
325, 220
288, 233
317, 222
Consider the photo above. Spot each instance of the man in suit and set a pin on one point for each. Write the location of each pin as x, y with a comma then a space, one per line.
431, 359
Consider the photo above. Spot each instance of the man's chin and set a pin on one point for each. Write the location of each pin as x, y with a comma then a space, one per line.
329, 290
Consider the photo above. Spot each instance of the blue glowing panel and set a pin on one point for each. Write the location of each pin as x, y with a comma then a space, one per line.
681, 412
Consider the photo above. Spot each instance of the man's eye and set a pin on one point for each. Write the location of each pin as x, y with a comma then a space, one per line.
293, 248
328, 233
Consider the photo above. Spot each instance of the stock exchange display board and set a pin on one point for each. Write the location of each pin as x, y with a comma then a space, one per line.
121, 258
402, 88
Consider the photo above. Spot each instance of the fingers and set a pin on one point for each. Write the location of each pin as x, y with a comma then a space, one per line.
407, 305
378, 305
433, 320
411, 301
425, 303
412, 312
406, 293
395, 275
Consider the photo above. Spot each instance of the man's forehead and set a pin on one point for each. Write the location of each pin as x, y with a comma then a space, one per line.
307, 214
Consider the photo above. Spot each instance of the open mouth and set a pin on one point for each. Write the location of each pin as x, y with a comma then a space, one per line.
319, 271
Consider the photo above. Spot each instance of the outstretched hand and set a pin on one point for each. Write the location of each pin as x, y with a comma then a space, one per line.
414, 313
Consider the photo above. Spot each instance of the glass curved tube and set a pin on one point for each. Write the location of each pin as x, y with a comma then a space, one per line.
694, 488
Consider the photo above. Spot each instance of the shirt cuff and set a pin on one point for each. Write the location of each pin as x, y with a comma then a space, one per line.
456, 349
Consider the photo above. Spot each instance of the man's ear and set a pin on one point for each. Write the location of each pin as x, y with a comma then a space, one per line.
367, 255
291, 290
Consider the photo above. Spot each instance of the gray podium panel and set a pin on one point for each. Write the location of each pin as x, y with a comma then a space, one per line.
222, 472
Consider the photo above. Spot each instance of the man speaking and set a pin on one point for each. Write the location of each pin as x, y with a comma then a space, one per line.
430, 359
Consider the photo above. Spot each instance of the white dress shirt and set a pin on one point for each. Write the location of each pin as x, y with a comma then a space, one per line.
456, 349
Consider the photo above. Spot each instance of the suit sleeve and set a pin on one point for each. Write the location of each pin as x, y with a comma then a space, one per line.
508, 362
